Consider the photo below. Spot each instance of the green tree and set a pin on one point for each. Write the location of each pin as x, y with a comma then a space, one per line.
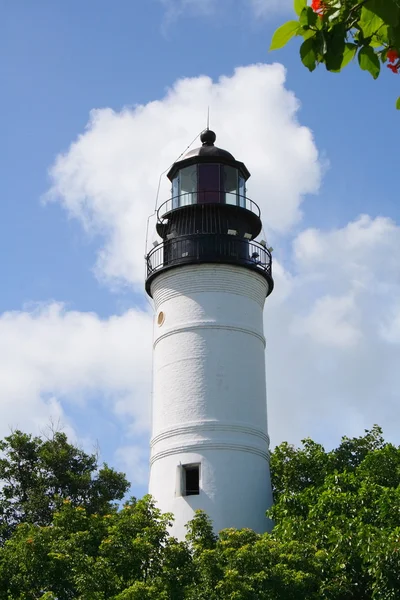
346, 504
244, 565
126, 554
336, 537
37, 474
334, 32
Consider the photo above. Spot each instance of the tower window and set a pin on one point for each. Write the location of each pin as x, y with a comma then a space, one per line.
191, 480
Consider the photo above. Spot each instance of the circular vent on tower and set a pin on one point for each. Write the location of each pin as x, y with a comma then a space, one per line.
160, 318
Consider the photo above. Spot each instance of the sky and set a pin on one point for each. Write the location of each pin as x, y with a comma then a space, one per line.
98, 99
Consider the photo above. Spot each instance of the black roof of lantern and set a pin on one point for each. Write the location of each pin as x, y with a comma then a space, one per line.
208, 153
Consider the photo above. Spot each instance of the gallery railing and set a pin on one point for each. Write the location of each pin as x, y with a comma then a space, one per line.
215, 248
207, 197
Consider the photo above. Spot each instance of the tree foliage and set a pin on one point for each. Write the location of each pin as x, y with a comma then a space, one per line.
346, 505
336, 537
335, 32
37, 474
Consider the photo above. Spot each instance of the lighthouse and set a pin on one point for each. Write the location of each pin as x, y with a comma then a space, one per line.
209, 279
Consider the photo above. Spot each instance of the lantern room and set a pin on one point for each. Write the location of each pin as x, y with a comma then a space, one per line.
208, 175
208, 218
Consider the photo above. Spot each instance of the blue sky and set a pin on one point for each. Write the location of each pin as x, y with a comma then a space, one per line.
59, 61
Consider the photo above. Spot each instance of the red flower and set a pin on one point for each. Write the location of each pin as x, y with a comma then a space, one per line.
395, 68
318, 6
392, 55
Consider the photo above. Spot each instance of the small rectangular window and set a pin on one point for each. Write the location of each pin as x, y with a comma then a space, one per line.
191, 480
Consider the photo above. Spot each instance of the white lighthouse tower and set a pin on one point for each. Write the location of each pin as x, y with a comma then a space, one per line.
209, 280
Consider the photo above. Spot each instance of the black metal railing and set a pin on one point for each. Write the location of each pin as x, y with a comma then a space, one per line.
218, 197
214, 248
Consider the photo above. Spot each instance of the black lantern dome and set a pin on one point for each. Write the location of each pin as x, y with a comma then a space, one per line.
208, 218
207, 152
208, 138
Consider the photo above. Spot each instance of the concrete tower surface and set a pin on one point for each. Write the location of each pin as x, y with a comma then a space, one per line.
209, 280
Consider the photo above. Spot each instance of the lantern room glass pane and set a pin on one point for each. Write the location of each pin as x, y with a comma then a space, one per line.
209, 184
188, 185
231, 185
242, 192
175, 192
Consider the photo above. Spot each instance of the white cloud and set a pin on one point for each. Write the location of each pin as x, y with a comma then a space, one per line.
52, 359
333, 335
390, 327
176, 8
361, 248
108, 178
134, 459
332, 322
264, 8
260, 8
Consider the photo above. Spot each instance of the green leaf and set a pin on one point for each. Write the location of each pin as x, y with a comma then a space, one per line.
387, 10
381, 38
308, 54
299, 5
392, 36
398, 103
335, 47
369, 61
283, 34
308, 18
308, 33
348, 55
369, 22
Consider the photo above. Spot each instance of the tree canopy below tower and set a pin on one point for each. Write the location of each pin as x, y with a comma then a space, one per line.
336, 533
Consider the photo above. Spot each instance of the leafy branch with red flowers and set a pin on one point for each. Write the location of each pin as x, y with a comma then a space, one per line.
334, 32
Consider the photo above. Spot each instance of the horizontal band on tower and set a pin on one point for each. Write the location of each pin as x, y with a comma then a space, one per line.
209, 325
200, 446
202, 278
209, 426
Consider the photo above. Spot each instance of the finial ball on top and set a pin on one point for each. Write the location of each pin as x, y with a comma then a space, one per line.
208, 137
